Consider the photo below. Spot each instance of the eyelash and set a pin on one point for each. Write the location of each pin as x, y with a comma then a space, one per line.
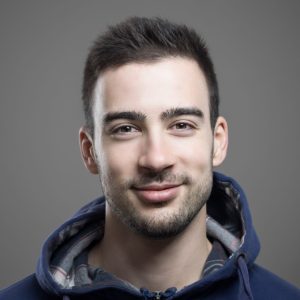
185, 124
117, 130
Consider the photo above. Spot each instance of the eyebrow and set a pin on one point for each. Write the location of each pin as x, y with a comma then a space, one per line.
139, 116
180, 111
128, 115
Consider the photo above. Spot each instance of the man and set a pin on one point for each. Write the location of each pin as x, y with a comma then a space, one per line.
167, 227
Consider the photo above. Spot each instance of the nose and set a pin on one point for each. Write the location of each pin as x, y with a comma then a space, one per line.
156, 154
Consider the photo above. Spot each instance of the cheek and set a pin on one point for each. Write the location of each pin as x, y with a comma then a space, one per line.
118, 161
196, 153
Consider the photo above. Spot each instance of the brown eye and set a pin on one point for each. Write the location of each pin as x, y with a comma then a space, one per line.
125, 132
126, 129
181, 126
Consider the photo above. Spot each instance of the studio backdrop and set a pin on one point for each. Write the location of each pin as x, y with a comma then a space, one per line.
255, 47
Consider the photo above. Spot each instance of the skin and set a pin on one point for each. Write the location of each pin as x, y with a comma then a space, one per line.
155, 167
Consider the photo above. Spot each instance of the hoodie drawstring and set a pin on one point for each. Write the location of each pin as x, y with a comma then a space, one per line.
245, 292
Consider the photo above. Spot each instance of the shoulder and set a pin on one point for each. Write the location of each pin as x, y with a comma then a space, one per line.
267, 285
27, 288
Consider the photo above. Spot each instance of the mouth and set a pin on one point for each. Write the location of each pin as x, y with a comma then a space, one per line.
156, 193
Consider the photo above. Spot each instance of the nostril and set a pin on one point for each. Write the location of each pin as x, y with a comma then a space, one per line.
155, 164
155, 161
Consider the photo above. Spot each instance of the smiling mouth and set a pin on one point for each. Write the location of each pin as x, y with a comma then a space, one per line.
157, 192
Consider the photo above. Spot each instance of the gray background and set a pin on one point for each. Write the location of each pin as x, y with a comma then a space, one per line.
255, 46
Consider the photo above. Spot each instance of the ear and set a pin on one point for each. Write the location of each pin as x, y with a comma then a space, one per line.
220, 141
87, 150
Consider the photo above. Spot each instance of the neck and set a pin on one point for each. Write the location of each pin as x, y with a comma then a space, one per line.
154, 264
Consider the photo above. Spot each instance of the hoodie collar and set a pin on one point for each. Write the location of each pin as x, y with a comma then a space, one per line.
231, 225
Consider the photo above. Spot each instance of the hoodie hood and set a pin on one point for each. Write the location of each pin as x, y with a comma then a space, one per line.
229, 221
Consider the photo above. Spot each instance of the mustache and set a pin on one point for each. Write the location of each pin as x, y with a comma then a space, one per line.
158, 177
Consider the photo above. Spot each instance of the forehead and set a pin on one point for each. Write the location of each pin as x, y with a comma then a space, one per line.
152, 87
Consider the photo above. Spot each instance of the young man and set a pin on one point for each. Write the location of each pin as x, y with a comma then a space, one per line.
167, 226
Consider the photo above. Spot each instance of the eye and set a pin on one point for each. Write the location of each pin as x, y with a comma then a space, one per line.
183, 128
124, 131
182, 125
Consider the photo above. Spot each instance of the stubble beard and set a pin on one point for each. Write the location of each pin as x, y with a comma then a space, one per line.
166, 224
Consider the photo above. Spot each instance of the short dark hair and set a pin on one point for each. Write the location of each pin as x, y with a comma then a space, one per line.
141, 40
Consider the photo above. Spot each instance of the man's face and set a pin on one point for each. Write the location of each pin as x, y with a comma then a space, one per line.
153, 144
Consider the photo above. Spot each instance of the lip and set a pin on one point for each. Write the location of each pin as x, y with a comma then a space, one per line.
157, 193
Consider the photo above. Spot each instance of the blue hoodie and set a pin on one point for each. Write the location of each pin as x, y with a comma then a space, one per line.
59, 275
